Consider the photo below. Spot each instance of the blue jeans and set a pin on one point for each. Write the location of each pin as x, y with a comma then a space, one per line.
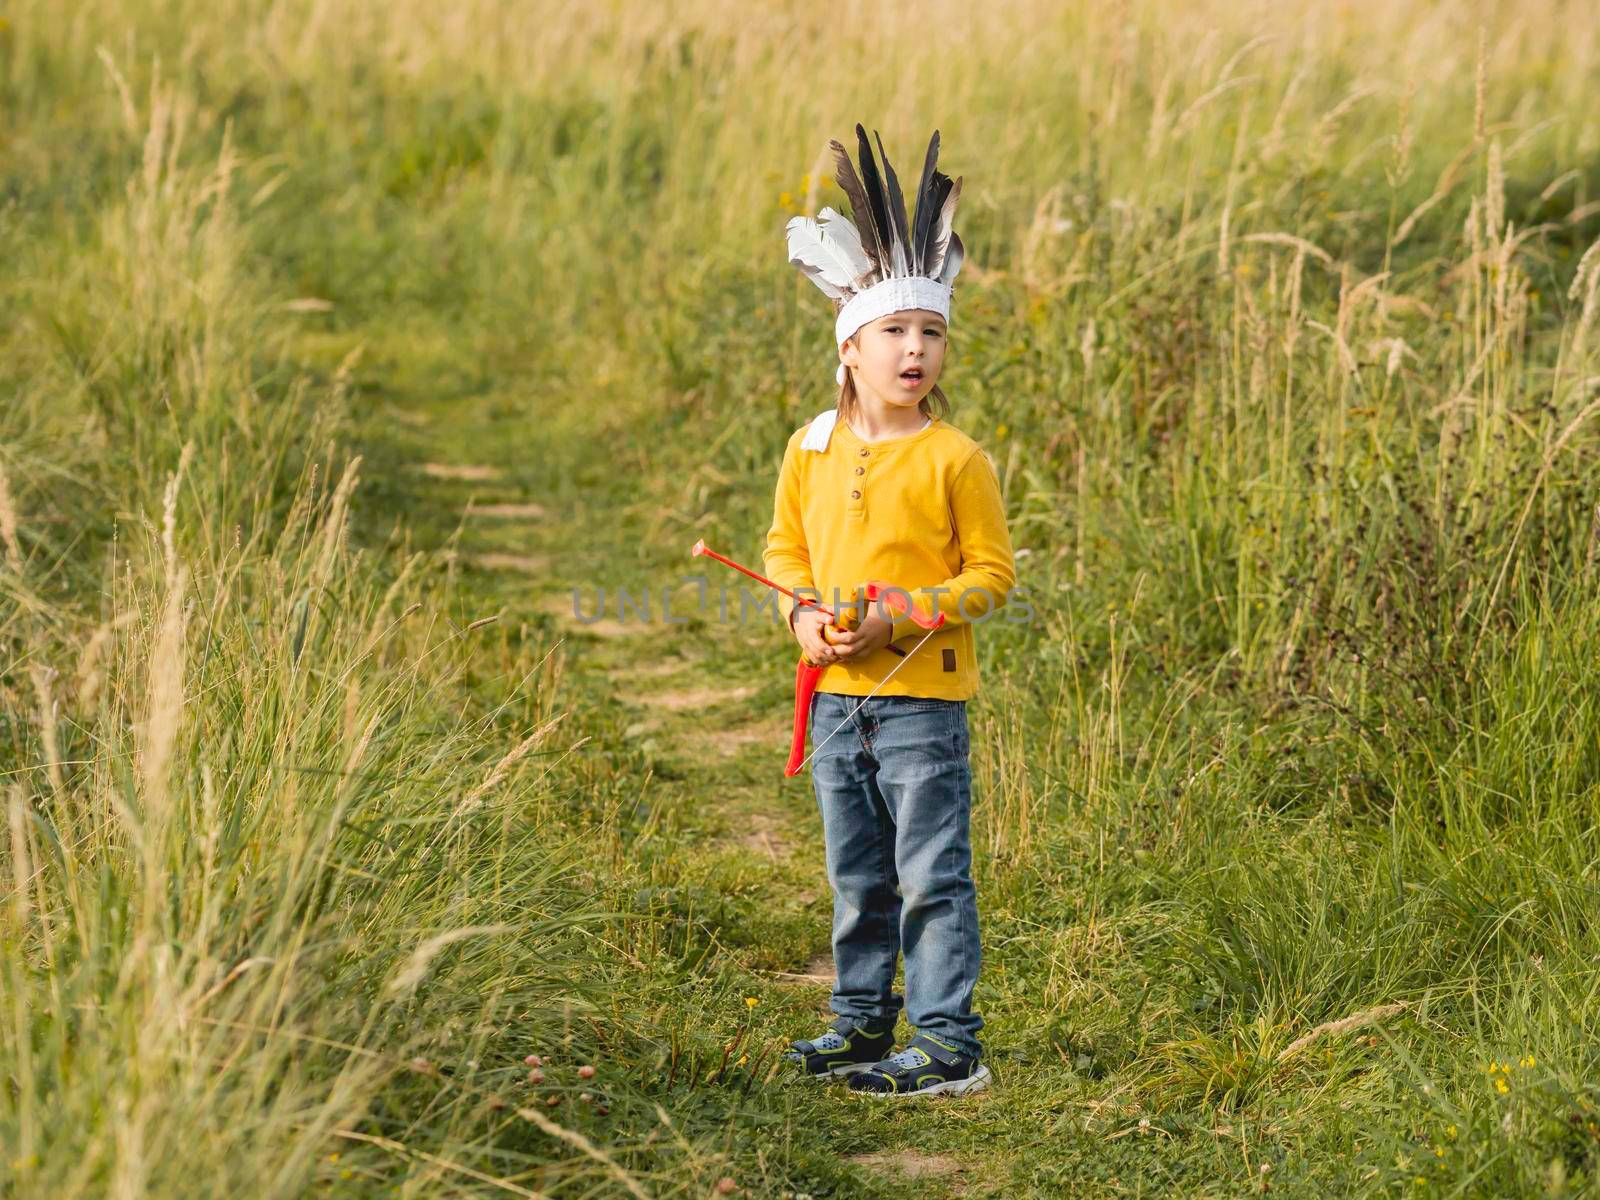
895, 793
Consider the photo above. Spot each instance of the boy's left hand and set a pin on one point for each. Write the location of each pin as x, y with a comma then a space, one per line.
872, 634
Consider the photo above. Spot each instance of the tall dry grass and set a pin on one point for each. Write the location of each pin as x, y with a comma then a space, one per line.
1280, 323
270, 868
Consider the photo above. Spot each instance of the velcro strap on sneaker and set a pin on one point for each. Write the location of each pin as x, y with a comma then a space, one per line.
845, 1028
804, 1047
938, 1053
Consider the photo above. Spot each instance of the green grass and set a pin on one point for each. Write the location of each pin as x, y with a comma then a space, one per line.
321, 813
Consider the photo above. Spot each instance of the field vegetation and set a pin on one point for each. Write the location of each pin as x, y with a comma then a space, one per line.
345, 344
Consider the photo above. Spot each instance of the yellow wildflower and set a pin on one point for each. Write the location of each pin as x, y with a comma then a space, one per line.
785, 199
1438, 1151
1501, 1086
1001, 431
751, 1001
1450, 1132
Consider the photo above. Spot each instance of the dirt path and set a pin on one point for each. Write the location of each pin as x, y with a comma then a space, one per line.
707, 703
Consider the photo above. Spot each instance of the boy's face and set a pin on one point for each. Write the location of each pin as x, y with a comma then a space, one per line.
898, 358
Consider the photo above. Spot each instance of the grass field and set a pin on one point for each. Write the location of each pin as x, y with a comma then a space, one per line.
344, 340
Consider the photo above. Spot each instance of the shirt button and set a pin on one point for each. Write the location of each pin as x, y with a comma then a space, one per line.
855, 495
861, 470
864, 453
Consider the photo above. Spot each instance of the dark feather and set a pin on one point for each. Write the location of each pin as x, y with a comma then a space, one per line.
925, 205
897, 206
872, 183
860, 212
944, 188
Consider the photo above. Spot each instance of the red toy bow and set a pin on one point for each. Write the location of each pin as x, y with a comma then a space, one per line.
896, 600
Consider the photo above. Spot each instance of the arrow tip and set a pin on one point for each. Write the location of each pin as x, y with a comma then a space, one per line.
699, 548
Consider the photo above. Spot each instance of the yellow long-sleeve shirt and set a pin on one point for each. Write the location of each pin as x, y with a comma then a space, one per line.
920, 512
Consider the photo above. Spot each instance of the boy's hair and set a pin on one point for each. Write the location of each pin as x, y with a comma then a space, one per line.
935, 403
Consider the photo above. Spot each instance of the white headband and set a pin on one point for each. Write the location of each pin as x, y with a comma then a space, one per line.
891, 296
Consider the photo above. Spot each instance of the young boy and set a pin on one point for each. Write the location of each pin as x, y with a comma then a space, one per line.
881, 487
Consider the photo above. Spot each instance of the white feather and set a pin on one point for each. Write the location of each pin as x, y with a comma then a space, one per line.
952, 260
902, 265
831, 257
840, 228
944, 237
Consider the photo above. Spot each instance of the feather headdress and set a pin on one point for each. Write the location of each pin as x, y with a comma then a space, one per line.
881, 263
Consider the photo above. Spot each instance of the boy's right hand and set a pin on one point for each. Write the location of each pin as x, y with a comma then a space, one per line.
808, 625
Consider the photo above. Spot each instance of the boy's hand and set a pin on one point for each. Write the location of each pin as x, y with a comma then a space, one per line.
872, 634
808, 623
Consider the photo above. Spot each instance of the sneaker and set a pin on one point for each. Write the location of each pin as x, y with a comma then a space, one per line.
843, 1050
926, 1067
